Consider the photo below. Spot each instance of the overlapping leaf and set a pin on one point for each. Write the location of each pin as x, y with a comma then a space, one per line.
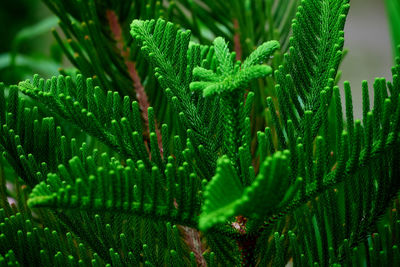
230, 77
226, 197
87, 185
173, 61
312, 63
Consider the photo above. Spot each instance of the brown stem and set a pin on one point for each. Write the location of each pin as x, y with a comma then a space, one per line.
141, 95
236, 40
192, 239
191, 236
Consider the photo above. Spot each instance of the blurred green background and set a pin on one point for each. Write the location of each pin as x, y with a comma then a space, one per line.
27, 46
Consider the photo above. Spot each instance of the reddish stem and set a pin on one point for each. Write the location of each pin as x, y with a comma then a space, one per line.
141, 95
236, 40
193, 241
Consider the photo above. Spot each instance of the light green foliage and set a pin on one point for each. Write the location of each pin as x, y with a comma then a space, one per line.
229, 76
164, 148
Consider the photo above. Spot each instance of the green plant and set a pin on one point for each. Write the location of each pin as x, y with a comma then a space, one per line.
160, 151
393, 10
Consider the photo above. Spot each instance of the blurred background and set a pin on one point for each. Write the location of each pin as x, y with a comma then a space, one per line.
27, 45
367, 37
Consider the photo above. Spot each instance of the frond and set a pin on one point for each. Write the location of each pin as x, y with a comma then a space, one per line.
313, 59
173, 61
159, 151
229, 78
270, 190
113, 187
380, 248
24, 242
223, 56
28, 140
261, 54
87, 107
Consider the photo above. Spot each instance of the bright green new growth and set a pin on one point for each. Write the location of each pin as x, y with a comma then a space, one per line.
230, 76
162, 151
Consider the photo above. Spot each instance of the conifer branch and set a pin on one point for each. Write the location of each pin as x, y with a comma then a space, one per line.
207, 187
141, 94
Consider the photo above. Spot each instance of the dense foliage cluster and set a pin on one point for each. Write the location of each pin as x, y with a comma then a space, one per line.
222, 145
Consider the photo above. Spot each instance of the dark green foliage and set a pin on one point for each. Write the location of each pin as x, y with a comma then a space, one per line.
259, 198
160, 151
25, 242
